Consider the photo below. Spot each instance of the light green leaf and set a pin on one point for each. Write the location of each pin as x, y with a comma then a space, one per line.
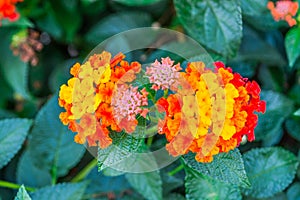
29, 174
122, 148
14, 70
199, 186
297, 113
12, 135
292, 45
226, 167
51, 144
293, 192
215, 24
270, 170
64, 191
137, 2
147, 184
22, 194
116, 23
278, 109
23, 22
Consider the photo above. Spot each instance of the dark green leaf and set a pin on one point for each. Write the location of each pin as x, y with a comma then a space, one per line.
12, 135
293, 128
22, 194
115, 24
254, 11
278, 108
213, 23
293, 192
199, 186
64, 191
226, 167
292, 45
270, 170
13, 69
137, 2
51, 144
29, 174
124, 145
294, 93
170, 183
147, 184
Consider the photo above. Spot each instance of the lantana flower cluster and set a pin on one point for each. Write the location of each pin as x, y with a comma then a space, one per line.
8, 10
207, 111
284, 10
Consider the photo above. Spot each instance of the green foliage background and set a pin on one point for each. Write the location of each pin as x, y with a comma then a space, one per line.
38, 152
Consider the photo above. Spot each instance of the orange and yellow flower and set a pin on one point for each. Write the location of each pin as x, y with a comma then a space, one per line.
8, 10
284, 10
88, 97
222, 115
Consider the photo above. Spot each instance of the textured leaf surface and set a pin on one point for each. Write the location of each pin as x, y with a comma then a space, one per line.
292, 45
115, 24
278, 108
270, 170
213, 23
137, 2
199, 186
122, 148
12, 135
51, 144
147, 184
226, 167
64, 191
293, 192
29, 174
22, 194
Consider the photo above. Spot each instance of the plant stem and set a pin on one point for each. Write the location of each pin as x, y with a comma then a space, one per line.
149, 141
85, 171
14, 186
176, 170
53, 175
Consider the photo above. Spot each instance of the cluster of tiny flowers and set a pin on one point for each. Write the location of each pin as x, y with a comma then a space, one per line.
284, 10
89, 101
128, 102
26, 44
8, 10
208, 111
211, 116
163, 75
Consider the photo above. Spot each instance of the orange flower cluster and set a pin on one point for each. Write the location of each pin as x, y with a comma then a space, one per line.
8, 9
284, 10
210, 113
87, 98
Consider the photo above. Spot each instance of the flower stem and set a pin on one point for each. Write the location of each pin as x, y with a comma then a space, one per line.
176, 170
149, 141
85, 171
14, 186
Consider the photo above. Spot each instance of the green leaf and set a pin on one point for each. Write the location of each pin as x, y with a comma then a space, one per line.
64, 191
226, 167
122, 148
270, 170
13, 69
292, 45
213, 23
29, 174
297, 113
51, 144
254, 11
116, 23
12, 135
137, 2
278, 109
147, 184
199, 186
293, 128
293, 192
23, 22
22, 194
